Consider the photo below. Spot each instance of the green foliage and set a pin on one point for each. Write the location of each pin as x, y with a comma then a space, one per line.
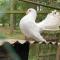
23, 6
2, 36
4, 19
40, 17
4, 5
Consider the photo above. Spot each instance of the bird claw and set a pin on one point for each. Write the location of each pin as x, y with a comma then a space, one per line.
36, 42
46, 42
43, 42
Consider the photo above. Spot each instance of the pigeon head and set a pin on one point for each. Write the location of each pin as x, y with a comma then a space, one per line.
56, 13
31, 10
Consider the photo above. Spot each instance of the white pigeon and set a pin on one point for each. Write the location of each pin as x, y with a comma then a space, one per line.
33, 30
29, 27
52, 21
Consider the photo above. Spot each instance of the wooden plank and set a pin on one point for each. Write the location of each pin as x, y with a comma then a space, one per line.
58, 53
12, 6
42, 51
52, 50
33, 52
47, 52
19, 12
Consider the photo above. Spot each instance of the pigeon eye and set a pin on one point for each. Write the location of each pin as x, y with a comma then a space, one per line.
29, 10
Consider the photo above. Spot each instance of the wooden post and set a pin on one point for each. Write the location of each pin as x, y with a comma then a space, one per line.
12, 6
58, 53
33, 52
14, 17
11, 16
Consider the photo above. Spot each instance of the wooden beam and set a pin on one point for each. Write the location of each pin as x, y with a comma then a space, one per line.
12, 11
12, 15
36, 3
18, 12
58, 53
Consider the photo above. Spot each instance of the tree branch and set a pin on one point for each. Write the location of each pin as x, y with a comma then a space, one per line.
36, 3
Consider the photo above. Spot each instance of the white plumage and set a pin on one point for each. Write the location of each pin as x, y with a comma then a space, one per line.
31, 29
52, 21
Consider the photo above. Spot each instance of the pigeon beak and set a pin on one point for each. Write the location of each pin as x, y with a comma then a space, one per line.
27, 12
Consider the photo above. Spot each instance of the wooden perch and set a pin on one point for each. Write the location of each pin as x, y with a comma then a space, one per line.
36, 3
